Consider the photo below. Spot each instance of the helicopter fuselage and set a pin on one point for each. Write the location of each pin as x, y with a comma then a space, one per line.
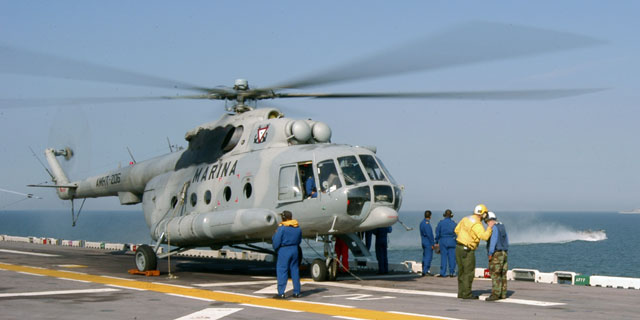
239, 172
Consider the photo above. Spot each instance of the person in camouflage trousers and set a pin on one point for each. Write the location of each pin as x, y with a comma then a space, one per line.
497, 248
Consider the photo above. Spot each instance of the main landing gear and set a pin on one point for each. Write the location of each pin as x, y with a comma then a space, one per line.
325, 269
146, 259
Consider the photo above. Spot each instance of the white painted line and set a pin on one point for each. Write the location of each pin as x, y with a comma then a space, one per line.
29, 253
263, 277
190, 297
531, 302
75, 280
387, 290
348, 318
273, 289
123, 287
71, 266
265, 307
423, 315
239, 294
323, 304
210, 314
50, 293
238, 283
379, 277
173, 285
31, 274
431, 293
359, 297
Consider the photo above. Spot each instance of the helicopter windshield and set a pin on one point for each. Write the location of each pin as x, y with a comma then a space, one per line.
386, 172
351, 170
328, 176
371, 168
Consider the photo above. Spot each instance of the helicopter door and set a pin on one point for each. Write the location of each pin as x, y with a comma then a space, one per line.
289, 189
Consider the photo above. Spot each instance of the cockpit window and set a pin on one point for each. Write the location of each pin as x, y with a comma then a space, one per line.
386, 171
371, 168
351, 170
328, 176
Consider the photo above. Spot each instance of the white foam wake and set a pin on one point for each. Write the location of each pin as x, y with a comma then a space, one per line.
554, 234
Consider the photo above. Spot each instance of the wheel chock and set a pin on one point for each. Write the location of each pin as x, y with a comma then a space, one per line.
150, 273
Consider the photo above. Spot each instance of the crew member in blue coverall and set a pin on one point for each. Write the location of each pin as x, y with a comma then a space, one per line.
285, 243
426, 233
497, 248
446, 239
310, 187
381, 249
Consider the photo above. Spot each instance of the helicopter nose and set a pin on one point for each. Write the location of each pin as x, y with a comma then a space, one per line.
379, 217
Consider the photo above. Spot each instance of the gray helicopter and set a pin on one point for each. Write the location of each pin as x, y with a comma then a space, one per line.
237, 173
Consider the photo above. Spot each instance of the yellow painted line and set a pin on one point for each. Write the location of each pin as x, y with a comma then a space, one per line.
220, 296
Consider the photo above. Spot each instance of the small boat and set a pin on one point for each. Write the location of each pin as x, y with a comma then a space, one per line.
634, 211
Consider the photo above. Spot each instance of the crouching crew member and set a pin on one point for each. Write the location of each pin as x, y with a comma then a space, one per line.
286, 241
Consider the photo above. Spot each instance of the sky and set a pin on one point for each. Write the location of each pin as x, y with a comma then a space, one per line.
577, 153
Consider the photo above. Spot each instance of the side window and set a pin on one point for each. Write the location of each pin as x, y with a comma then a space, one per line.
328, 175
289, 184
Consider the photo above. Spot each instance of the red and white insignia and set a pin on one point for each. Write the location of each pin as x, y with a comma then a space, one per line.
261, 134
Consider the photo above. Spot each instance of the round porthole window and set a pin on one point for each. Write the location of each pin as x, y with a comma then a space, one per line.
247, 190
174, 202
207, 197
194, 199
227, 193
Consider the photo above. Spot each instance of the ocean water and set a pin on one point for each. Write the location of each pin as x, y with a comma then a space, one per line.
603, 243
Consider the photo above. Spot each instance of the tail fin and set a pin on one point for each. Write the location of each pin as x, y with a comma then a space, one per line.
59, 177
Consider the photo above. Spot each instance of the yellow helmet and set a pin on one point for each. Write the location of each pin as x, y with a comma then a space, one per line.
481, 209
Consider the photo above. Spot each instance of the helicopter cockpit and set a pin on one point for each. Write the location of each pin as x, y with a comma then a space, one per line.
361, 177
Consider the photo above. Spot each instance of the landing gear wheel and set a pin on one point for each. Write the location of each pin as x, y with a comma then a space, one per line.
146, 258
333, 269
318, 270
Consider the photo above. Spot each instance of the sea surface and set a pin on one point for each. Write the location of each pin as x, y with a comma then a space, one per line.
602, 243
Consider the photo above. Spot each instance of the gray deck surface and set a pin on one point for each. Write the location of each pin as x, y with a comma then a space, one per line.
243, 290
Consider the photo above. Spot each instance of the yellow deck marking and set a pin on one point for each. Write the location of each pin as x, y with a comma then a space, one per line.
219, 296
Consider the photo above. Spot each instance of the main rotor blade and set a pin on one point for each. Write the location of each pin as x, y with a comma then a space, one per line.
466, 44
18, 61
64, 102
454, 95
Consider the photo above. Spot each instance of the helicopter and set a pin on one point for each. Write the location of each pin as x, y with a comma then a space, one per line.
238, 172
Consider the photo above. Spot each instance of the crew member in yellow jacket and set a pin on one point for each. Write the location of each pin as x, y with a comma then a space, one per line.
470, 231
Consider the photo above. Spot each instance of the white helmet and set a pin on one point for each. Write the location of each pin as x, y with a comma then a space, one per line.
480, 209
491, 216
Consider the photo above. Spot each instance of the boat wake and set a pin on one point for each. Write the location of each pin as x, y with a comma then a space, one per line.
554, 234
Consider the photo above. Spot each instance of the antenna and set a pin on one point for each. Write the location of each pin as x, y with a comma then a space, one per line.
170, 146
131, 155
41, 163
